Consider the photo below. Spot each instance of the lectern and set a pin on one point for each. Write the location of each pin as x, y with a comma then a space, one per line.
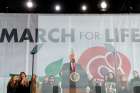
74, 82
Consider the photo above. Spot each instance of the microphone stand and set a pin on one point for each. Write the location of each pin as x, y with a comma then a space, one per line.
33, 52
33, 61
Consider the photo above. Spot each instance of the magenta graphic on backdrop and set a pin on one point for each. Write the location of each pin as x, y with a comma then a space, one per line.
98, 61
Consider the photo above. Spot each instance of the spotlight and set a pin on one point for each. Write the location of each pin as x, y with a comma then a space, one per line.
57, 7
84, 8
29, 4
103, 5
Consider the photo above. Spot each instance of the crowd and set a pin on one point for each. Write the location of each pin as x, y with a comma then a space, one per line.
116, 84
111, 84
21, 84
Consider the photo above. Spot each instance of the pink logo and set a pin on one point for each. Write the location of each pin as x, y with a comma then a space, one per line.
98, 61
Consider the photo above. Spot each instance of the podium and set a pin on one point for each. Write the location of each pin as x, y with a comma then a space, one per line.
69, 86
74, 90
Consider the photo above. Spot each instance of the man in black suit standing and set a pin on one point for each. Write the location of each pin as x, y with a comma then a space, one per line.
72, 74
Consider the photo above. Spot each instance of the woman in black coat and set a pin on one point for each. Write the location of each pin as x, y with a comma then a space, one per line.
12, 85
23, 84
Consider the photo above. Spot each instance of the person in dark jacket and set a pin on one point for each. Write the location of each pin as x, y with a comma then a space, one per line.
92, 84
12, 85
50, 86
123, 84
23, 84
110, 83
135, 83
71, 80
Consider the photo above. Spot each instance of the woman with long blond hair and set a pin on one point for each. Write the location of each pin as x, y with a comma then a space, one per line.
12, 85
34, 85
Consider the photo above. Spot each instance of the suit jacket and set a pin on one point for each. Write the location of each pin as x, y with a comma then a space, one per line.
65, 73
47, 88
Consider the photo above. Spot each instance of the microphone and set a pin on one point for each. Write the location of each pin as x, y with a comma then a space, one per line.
36, 48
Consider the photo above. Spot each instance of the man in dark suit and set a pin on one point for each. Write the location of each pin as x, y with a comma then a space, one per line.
135, 83
50, 86
70, 68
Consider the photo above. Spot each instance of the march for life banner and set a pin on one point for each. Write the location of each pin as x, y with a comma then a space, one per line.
101, 43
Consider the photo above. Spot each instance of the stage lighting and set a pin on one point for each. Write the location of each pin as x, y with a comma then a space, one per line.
29, 4
57, 7
103, 5
84, 8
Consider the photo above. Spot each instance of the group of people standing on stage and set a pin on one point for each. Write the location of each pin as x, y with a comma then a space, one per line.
21, 84
112, 83
116, 84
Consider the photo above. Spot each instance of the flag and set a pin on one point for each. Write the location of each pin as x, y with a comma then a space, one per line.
54, 68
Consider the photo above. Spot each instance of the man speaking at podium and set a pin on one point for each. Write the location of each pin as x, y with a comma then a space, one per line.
74, 78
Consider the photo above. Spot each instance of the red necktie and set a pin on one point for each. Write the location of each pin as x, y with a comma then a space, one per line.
73, 67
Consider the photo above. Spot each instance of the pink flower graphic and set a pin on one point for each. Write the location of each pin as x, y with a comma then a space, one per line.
98, 61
